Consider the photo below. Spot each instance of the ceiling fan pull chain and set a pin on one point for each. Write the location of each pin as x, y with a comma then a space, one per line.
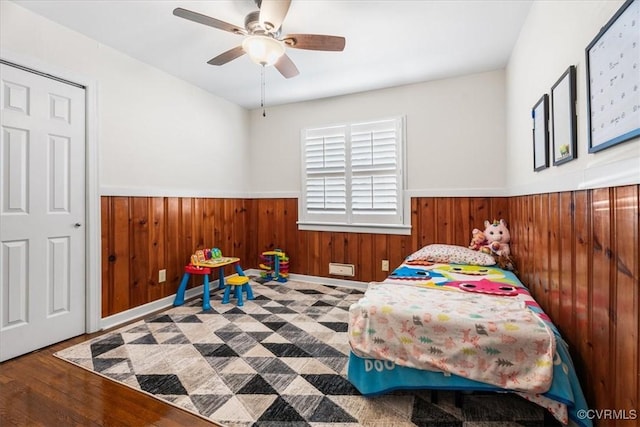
262, 92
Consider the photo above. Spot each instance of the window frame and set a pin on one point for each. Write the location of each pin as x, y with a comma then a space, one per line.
397, 223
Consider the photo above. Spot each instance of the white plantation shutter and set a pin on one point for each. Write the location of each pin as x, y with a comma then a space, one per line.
374, 194
325, 168
375, 182
352, 174
326, 194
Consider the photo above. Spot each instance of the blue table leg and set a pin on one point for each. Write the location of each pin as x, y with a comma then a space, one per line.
206, 305
179, 300
239, 270
221, 278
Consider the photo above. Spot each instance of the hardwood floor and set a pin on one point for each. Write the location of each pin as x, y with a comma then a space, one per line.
38, 389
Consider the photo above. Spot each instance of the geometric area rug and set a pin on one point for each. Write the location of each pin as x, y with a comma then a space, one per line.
279, 360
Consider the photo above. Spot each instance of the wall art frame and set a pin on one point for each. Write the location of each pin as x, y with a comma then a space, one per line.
540, 115
613, 72
564, 128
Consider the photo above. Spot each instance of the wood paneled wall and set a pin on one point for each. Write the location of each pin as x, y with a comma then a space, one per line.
141, 235
577, 251
434, 219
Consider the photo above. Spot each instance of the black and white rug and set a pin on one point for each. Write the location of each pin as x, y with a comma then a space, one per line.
280, 360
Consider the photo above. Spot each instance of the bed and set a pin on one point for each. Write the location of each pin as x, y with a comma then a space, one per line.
448, 318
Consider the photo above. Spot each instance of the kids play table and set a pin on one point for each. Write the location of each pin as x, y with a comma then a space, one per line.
204, 268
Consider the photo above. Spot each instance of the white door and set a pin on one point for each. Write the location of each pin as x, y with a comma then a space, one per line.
42, 211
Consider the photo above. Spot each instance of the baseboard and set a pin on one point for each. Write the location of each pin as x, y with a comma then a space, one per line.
146, 309
166, 302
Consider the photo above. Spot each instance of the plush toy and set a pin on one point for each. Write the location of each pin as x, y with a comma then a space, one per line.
498, 237
478, 240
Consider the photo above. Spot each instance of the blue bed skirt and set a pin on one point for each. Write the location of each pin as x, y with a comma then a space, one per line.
372, 377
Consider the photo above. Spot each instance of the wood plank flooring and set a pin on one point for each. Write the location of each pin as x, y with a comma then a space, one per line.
38, 389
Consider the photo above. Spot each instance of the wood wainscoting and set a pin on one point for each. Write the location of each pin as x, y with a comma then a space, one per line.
577, 251
141, 235
434, 219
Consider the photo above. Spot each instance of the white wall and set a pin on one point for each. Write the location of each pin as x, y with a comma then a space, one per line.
455, 135
555, 36
157, 134
468, 135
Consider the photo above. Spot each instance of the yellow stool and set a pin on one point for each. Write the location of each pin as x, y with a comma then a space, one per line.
239, 284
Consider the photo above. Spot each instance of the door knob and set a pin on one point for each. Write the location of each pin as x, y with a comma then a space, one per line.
77, 225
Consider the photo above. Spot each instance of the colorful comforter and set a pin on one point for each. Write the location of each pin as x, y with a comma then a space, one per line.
470, 321
479, 323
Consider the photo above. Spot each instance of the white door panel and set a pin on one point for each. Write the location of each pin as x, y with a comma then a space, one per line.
42, 211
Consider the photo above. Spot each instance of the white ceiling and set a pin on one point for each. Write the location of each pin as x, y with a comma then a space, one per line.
389, 43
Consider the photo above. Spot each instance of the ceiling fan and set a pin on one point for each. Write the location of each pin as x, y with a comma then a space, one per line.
263, 42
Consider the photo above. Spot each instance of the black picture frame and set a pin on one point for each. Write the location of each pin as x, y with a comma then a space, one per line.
564, 127
540, 115
613, 115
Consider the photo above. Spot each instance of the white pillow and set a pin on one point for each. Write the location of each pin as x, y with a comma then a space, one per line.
451, 254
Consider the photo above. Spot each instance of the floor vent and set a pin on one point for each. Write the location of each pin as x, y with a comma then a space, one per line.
342, 269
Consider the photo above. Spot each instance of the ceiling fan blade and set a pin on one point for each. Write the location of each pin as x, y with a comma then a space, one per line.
315, 42
207, 20
286, 67
272, 13
227, 56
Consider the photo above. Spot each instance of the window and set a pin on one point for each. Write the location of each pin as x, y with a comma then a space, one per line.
352, 176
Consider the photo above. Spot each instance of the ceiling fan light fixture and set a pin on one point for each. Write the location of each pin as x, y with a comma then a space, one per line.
263, 50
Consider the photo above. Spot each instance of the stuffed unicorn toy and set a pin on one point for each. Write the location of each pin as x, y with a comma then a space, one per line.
498, 237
